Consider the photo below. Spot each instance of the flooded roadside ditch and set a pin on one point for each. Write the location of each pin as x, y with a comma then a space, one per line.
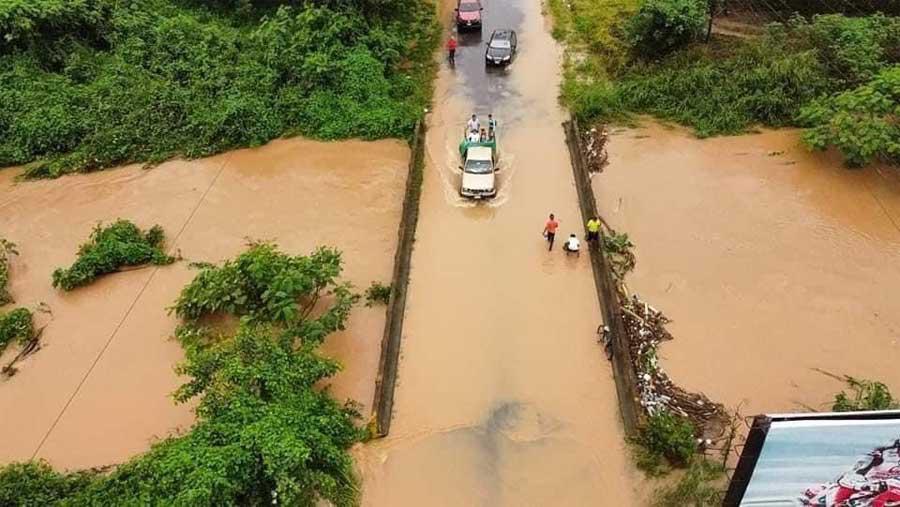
99, 389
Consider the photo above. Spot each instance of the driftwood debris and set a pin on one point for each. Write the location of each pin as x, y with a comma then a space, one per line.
30, 347
594, 143
646, 329
645, 326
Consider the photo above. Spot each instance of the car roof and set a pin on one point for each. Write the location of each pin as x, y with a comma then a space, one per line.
502, 34
469, 2
479, 153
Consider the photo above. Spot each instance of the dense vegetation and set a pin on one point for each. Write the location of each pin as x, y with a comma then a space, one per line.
7, 250
89, 84
835, 75
111, 248
265, 432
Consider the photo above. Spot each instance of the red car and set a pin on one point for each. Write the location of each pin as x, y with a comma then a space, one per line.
468, 14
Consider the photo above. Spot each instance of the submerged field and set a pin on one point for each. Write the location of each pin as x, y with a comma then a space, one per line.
772, 262
99, 391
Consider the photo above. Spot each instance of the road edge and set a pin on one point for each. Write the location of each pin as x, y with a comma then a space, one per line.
623, 372
388, 364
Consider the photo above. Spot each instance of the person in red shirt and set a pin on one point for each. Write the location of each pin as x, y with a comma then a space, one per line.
550, 230
451, 50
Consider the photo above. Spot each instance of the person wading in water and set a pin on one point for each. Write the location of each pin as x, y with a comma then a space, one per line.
451, 50
550, 230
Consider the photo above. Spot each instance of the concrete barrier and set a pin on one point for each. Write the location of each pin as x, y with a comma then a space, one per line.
383, 404
623, 370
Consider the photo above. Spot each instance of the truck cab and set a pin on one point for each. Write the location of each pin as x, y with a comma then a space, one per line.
478, 172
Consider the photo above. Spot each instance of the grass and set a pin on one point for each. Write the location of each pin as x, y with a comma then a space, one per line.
701, 485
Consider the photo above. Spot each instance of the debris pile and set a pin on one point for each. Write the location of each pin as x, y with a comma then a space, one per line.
645, 326
593, 142
646, 329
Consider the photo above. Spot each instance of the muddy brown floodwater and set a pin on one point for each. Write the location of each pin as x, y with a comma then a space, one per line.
504, 396
99, 390
771, 262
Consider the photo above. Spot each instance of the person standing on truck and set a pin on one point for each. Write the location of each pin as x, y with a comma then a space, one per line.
492, 125
593, 228
473, 125
451, 50
550, 230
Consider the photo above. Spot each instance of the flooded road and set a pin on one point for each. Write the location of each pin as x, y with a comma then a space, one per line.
99, 390
503, 395
771, 262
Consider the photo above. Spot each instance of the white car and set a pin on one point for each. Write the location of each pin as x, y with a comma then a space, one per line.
478, 178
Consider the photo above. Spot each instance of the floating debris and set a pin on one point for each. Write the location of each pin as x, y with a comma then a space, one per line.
645, 326
593, 142
646, 329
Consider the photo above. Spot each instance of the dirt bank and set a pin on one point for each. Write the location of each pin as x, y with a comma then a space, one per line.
504, 397
98, 391
771, 261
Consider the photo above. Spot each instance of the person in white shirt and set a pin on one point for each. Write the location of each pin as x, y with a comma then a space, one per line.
473, 125
572, 245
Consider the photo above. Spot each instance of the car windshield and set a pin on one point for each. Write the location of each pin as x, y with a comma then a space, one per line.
500, 44
469, 7
478, 166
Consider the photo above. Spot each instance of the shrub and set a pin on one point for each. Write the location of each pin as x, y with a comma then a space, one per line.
864, 395
36, 483
671, 436
662, 26
7, 249
267, 285
852, 49
378, 293
864, 123
16, 326
265, 432
111, 248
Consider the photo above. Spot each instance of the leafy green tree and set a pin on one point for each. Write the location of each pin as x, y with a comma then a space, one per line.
36, 484
267, 285
863, 123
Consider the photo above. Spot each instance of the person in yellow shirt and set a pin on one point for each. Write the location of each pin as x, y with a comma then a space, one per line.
593, 227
